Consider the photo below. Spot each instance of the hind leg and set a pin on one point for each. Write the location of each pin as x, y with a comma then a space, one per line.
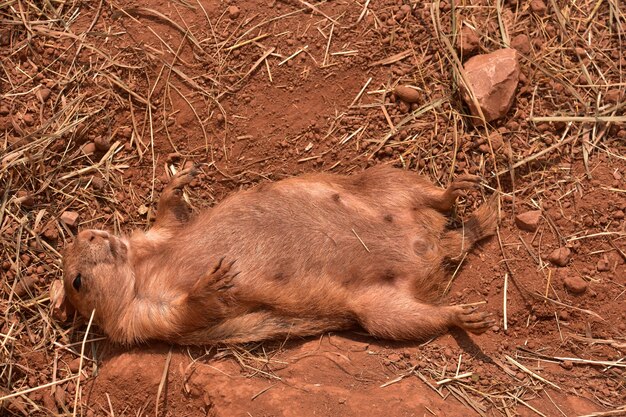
394, 315
443, 200
172, 210
454, 244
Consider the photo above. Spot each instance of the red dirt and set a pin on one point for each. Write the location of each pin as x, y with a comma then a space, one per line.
303, 118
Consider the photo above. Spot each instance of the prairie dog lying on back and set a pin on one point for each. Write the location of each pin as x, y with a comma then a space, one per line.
296, 257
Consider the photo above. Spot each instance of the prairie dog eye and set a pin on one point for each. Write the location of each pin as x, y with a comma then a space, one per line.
76, 283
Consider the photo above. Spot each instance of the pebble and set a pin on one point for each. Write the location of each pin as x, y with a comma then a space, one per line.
233, 12
43, 94
25, 198
24, 284
4, 110
28, 119
102, 143
521, 43
538, 7
89, 148
407, 94
563, 315
51, 233
74, 365
618, 215
567, 365
575, 284
70, 218
468, 41
611, 96
603, 265
560, 256
528, 221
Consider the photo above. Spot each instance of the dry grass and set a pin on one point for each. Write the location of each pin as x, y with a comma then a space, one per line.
65, 85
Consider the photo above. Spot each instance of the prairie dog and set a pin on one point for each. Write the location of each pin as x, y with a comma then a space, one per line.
296, 257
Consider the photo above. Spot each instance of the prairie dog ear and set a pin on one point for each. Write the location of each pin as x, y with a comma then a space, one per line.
61, 308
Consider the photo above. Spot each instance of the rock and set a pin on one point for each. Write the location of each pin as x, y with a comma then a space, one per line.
102, 143
233, 12
521, 43
4, 110
611, 96
70, 218
618, 215
51, 233
467, 41
126, 132
28, 119
74, 365
528, 221
603, 265
493, 78
538, 7
560, 256
89, 148
25, 284
575, 284
43, 94
407, 94
25, 198
567, 365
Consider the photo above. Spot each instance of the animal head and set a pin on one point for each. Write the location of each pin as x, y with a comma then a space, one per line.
97, 274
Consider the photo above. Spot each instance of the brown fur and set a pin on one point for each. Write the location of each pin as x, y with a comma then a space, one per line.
297, 257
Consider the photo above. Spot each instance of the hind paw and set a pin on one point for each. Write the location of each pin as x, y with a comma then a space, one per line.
182, 178
470, 319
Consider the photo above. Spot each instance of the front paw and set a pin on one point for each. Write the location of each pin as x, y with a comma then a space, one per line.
218, 279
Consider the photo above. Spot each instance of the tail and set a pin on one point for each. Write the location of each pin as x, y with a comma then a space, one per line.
481, 224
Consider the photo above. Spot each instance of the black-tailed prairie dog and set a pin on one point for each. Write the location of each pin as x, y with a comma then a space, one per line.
296, 257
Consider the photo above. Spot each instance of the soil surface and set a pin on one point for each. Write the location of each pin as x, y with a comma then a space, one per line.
100, 100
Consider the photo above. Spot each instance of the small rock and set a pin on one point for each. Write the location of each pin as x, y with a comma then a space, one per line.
89, 148
528, 221
611, 96
28, 119
603, 265
521, 43
126, 132
51, 233
25, 284
538, 7
560, 256
407, 94
70, 218
102, 143
233, 12
467, 41
567, 365
563, 315
74, 365
575, 284
97, 182
493, 78
4, 110
393, 357
25, 198
618, 215
43, 94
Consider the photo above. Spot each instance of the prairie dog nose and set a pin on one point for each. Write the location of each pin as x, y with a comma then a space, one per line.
91, 235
